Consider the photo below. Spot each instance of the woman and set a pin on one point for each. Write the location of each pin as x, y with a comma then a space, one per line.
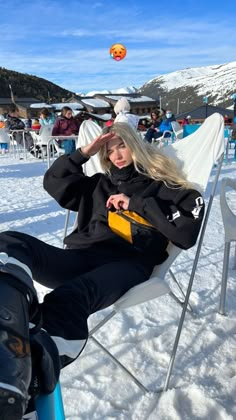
153, 130
47, 117
66, 125
101, 262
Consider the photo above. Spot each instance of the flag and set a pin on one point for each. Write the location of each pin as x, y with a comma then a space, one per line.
12, 95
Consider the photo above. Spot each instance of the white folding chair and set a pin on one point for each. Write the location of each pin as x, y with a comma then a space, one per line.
229, 222
196, 155
164, 139
88, 131
178, 131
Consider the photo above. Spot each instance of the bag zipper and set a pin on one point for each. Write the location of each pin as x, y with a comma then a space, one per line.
129, 219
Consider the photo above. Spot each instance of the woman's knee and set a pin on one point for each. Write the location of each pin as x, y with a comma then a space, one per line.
18, 245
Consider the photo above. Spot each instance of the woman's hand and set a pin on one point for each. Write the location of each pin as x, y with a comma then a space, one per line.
119, 201
92, 148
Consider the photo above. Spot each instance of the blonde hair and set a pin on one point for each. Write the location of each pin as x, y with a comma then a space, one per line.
147, 159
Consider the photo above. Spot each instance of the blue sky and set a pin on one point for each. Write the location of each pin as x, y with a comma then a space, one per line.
68, 42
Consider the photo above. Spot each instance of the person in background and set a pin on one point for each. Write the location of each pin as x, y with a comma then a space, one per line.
47, 117
66, 125
187, 120
122, 111
2, 121
35, 124
81, 117
165, 125
153, 130
13, 122
110, 122
101, 261
28, 123
166, 121
142, 125
227, 119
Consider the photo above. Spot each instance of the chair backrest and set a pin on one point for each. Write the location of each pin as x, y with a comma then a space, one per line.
175, 126
44, 133
88, 131
228, 217
4, 137
197, 153
177, 130
196, 156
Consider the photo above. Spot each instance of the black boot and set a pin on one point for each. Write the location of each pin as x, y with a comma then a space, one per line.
15, 356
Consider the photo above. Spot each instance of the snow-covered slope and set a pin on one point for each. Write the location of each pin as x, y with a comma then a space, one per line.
130, 89
218, 82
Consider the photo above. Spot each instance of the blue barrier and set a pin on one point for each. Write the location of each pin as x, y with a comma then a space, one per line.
189, 129
50, 406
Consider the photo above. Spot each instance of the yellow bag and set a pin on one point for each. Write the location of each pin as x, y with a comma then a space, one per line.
124, 222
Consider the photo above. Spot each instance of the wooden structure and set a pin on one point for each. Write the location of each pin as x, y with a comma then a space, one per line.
22, 103
139, 105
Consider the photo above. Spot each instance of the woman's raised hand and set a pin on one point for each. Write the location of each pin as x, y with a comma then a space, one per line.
94, 147
119, 201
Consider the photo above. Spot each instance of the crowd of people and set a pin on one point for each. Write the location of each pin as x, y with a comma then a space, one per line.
157, 126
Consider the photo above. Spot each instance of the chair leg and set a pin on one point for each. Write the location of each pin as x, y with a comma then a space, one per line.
234, 264
190, 310
66, 225
224, 278
108, 353
122, 367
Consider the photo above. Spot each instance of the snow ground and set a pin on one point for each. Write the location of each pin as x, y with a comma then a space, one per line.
204, 376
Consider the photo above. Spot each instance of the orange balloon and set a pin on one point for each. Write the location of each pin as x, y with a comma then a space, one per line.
118, 52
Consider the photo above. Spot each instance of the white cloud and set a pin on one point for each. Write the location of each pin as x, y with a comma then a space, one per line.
69, 44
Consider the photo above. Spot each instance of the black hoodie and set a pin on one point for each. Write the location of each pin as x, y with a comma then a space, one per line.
176, 213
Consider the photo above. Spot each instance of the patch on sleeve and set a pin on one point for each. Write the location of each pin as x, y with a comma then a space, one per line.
196, 210
173, 216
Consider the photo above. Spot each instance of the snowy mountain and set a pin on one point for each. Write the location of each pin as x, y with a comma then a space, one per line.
186, 88
130, 89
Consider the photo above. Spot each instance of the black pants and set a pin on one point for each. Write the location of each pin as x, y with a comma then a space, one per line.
152, 134
83, 280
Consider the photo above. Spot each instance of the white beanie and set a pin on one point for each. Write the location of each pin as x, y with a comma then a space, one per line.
122, 105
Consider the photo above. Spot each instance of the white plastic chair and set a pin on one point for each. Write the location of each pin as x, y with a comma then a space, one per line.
196, 155
42, 138
229, 222
177, 130
88, 131
164, 139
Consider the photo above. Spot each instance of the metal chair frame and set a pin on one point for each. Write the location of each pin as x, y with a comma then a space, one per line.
229, 221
